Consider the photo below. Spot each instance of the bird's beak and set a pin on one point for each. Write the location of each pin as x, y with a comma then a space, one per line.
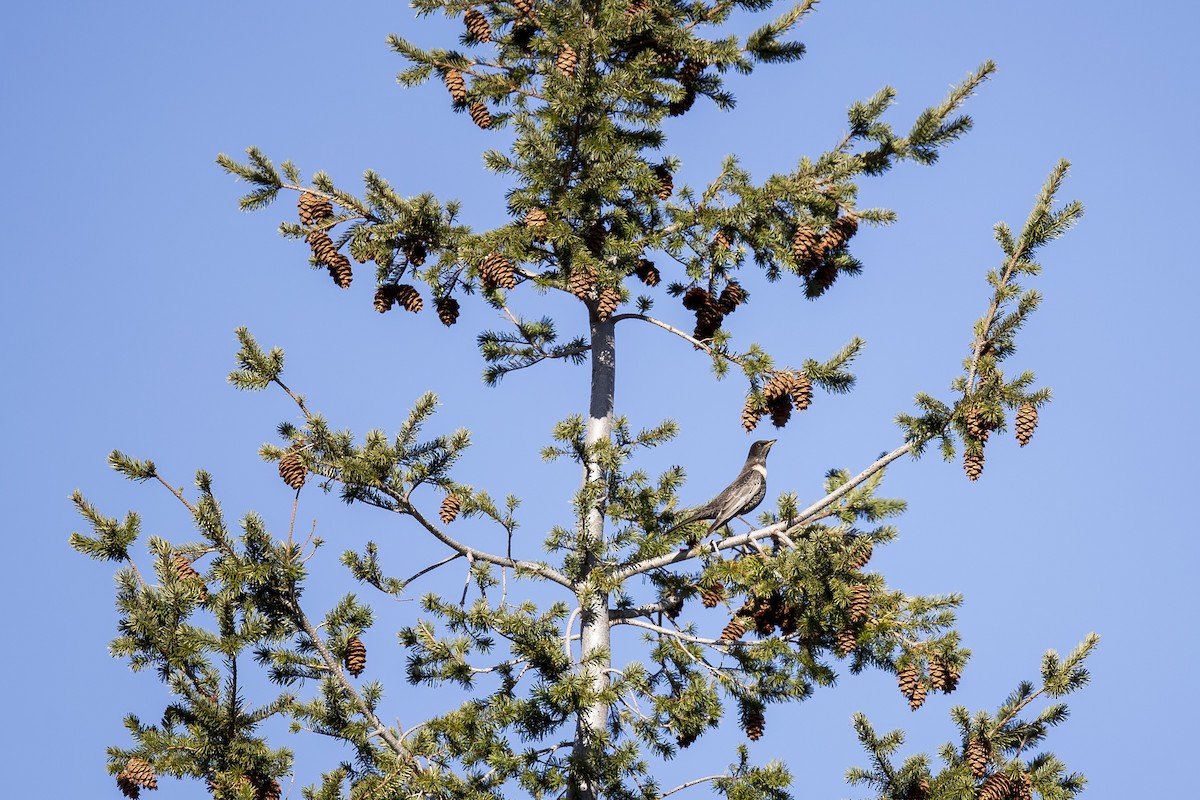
771, 442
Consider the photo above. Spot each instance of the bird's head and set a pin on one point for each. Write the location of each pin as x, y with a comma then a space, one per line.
759, 450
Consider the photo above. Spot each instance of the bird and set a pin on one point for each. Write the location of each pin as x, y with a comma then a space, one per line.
741, 496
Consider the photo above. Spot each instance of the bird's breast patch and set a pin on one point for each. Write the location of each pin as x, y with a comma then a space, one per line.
760, 469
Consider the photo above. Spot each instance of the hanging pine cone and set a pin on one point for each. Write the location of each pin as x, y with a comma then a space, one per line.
341, 271
862, 555
477, 25
973, 462
683, 104
313, 208
535, 220
595, 236
582, 283
754, 722
690, 71
734, 630
779, 386
666, 183
907, 679
801, 391
385, 298
268, 788
524, 7
128, 787
938, 673
977, 755
607, 302
751, 413
917, 698
139, 772
497, 272
1027, 420
996, 787
1023, 787
722, 241
450, 507
188, 574
976, 425
708, 322
457, 86
712, 595
447, 310
732, 296
356, 656
918, 790
840, 231
566, 61
409, 298
322, 246
780, 409
292, 469
480, 115
637, 7
804, 245
860, 602
847, 641
647, 272
696, 298
822, 278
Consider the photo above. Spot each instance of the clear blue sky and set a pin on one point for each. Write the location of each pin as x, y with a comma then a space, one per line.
130, 267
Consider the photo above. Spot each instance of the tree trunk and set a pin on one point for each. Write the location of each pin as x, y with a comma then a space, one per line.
594, 622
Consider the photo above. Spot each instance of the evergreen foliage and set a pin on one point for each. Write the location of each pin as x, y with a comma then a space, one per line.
586, 88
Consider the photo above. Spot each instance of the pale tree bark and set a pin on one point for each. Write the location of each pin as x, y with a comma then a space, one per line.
595, 653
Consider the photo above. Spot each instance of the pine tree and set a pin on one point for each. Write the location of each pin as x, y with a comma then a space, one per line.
588, 91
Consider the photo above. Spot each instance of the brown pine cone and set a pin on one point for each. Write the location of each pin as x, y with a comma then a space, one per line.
292, 469
477, 25
697, 299
524, 7
918, 790
607, 302
996, 787
823, 277
497, 272
566, 61
340, 270
712, 595
779, 386
268, 788
754, 723
780, 409
447, 310
976, 426
917, 698
847, 641
722, 241
708, 322
415, 252
840, 231
595, 236
938, 672
356, 656
1027, 420
734, 630
187, 573
313, 208
863, 554
690, 71
385, 298
973, 462
908, 678
977, 755
647, 272
457, 86
666, 182
535, 220
636, 7
860, 602
480, 115
140, 773
409, 298
450, 507
801, 391
322, 246
128, 787
1023, 789
751, 413
683, 104
582, 283
732, 296
804, 245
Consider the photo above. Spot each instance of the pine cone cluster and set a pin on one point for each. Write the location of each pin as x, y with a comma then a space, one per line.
187, 573
687, 76
325, 253
607, 302
860, 603
754, 722
977, 754
524, 7
942, 677
771, 612
457, 86
566, 61
450, 507
1027, 420
292, 469
313, 208
711, 595
813, 254
447, 310
783, 392
138, 774
734, 630
707, 309
480, 115
477, 25
647, 272
497, 272
356, 656
666, 182
911, 686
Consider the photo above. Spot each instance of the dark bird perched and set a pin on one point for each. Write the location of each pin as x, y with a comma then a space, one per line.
740, 497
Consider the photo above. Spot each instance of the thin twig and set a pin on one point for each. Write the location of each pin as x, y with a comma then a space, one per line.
690, 784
